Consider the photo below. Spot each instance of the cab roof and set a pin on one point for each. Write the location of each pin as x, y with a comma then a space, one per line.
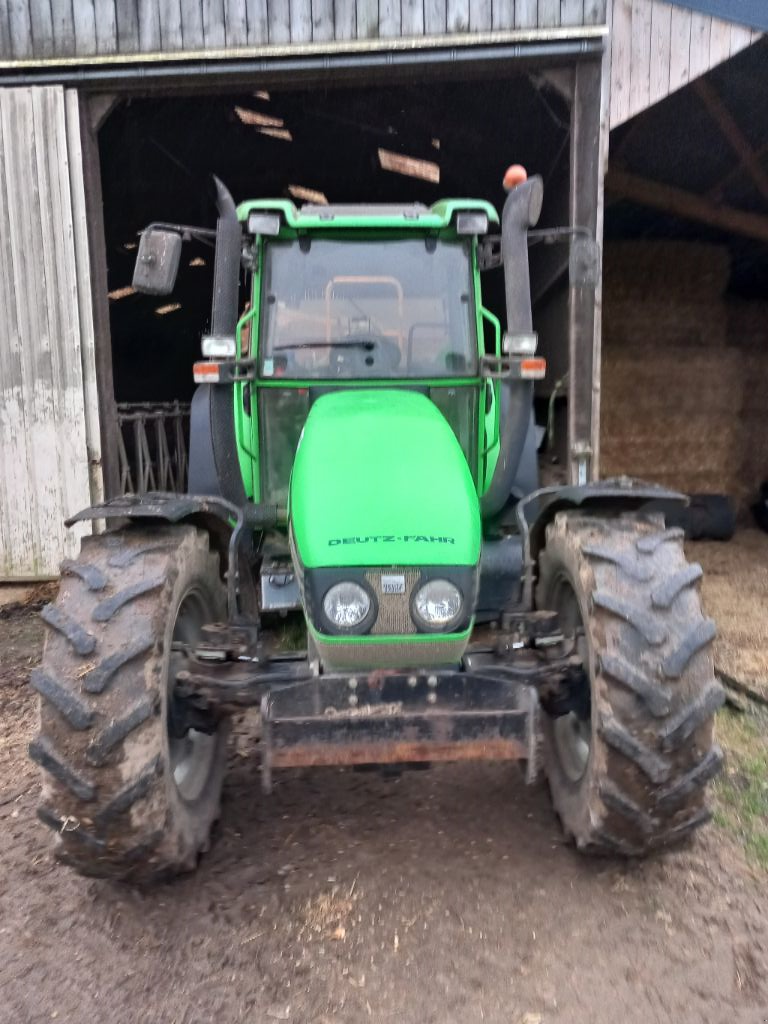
415, 216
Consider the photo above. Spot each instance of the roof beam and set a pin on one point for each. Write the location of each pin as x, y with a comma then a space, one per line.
733, 134
686, 204
716, 191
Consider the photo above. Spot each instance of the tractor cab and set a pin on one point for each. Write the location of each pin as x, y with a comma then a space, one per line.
370, 297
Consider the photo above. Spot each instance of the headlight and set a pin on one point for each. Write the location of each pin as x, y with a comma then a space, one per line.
437, 604
346, 605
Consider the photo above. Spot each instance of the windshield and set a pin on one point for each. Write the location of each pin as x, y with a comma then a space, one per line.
349, 309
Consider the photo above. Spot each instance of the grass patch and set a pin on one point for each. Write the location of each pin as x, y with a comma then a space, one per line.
289, 635
741, 792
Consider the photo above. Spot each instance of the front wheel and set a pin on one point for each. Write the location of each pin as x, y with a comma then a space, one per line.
130, 791
629, 761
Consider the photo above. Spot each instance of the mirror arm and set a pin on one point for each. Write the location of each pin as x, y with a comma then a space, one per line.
187, 231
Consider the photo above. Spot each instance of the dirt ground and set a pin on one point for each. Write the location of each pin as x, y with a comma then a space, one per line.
438, 897
735, 595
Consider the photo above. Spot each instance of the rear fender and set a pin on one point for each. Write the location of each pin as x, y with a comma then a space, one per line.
604, 498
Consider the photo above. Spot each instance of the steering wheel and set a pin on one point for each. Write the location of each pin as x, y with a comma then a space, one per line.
361, 354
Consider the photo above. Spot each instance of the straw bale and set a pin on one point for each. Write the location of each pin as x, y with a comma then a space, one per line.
664, 320
646, 380
688, 270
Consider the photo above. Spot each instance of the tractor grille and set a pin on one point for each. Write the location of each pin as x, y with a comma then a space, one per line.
363, 656
394, 616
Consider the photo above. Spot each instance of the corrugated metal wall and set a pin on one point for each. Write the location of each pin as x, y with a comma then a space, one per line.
49, 440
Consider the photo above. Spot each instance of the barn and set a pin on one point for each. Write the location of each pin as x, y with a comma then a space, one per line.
645, 118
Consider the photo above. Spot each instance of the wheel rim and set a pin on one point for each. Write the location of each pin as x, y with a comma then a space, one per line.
573, 731
192, 755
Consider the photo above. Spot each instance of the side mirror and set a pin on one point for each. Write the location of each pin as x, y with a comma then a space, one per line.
584, 262
157, 262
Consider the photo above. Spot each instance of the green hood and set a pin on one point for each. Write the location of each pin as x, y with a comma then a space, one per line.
380, 479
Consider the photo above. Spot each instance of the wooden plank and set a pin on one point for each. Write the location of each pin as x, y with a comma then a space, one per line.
20, 28
480, 16
584, 200
214, 31
640, 59
192, 34
127, 26
149, 26
719, 42
661, 39
411, 18
687, 204
235, 23
279, 21
62, 315
171, 36
389, 18
41, 18
457, 16
701, 28
301, 20
17, 539
5, 31
367, 19
621, 61
596, 12
63, 17
741, 37
43, 447
549, 13
503, 14
82, 266
105, 16
258, 22
679, 48
322, 20
526, 13
97, 252
84, 25
345, 19
571, 12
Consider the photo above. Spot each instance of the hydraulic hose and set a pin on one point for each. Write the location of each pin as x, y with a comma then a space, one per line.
521, 212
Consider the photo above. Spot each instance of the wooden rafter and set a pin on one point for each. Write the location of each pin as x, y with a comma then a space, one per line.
736, 171
686, 204
734, 135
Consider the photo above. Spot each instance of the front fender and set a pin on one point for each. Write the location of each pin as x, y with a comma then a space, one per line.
618, 494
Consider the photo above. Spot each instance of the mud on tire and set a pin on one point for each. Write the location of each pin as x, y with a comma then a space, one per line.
648, 720
112, 790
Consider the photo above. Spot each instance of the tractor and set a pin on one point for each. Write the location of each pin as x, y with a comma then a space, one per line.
363, 461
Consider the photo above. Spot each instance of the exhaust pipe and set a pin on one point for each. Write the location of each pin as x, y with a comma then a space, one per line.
226, 272
521, 212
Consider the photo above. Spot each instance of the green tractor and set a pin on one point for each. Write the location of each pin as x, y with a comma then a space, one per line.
363, 455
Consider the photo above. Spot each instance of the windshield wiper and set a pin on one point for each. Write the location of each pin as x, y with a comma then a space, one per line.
369, 344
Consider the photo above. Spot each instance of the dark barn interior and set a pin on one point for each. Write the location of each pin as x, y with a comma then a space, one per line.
158, 155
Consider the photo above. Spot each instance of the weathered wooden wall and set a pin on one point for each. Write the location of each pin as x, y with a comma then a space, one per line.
656, 48
38, 29
49, 431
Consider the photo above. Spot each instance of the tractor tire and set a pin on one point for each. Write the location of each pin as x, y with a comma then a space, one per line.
125, 798
628, 769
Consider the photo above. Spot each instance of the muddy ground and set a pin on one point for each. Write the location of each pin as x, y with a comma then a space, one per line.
442, 896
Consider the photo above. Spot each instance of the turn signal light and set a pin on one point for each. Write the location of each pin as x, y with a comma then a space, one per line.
206, 373
533, 368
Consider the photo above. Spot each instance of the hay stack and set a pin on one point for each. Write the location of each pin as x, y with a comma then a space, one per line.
671, 389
